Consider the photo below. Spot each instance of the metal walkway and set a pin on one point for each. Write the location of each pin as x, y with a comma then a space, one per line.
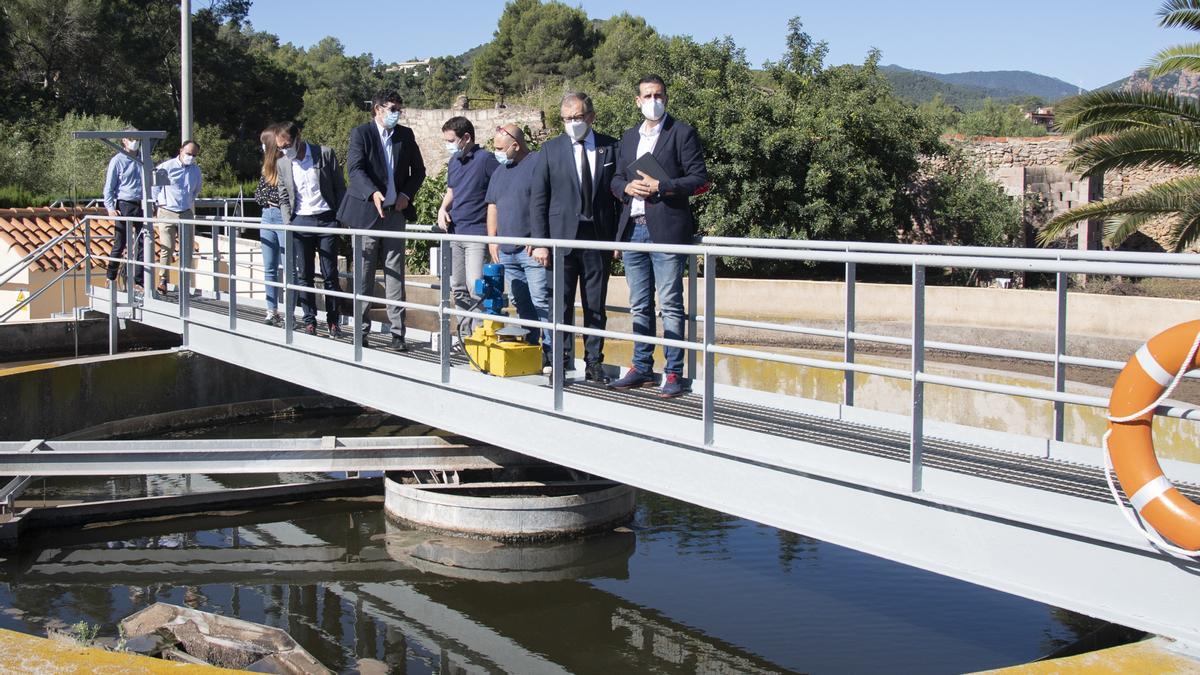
1026, 514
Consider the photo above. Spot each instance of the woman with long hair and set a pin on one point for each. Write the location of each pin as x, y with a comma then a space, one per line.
273, 196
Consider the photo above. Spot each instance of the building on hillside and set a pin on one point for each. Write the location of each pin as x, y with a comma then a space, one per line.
1043, 117
406, 66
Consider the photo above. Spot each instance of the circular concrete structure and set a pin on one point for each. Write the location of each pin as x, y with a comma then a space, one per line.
517, 512
474, 559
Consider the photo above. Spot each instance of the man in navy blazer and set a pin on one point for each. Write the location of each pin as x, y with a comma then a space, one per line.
570, 200
386, 171
657, 211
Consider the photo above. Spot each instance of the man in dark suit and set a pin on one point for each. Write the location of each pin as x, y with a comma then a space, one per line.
315, 187
569, 200
657, 211
386, 171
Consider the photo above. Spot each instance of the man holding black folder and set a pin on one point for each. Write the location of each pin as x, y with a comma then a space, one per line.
660, 166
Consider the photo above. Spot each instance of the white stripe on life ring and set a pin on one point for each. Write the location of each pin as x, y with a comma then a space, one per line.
1149, 492
1152, 368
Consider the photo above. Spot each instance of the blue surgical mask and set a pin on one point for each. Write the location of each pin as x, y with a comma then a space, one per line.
391, 119
453, 149
503, 158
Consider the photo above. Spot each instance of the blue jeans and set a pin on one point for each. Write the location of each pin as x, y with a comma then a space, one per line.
526, 281
646, 273
272, 251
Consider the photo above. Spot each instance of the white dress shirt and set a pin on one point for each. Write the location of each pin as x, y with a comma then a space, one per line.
589, 143
385, 138
647, 139
309, 201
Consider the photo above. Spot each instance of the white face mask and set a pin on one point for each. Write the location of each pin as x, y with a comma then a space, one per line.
187, 160
132, 146
290, 153
653, 109
453, 149
577, 130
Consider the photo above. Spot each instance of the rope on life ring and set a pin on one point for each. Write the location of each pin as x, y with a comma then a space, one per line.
1160, 513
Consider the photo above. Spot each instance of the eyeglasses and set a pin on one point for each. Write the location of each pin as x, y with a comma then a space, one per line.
502, 130
575, 118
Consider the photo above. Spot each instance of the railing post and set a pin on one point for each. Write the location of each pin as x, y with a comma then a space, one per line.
708, 413
917, 430
112, 319
289, 281
693, 283
1060, 350
216, 258
87, 252
147, 274
445, 263
558, 371
847, 340
126, 265
232, 265
359, 330
185, 263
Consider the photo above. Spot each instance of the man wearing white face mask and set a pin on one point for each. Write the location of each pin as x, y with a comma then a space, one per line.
123, 197
569, 199
463, 209
176, 187
656, 209
386, 171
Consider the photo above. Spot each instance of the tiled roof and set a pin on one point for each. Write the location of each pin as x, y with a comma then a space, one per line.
27, 229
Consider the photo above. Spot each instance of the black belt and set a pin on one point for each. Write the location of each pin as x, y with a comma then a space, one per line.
388, 208
129, 201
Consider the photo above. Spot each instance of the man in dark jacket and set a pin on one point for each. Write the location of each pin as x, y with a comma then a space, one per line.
657, 210
569, 199
386, 171
315, 188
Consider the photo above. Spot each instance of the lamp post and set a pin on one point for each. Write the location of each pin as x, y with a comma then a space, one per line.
185, 70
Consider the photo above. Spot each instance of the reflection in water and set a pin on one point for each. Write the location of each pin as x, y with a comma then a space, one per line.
688, 590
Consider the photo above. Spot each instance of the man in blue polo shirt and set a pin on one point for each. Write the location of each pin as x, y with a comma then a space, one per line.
508, 216
463, 210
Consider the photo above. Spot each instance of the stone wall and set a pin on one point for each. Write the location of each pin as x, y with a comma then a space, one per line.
1009, 160
427, 126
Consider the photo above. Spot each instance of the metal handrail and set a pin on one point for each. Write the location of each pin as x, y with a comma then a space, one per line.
37, 294
36, 253
849, 254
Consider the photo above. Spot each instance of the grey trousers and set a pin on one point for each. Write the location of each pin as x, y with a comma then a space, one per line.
466, 266
390, 252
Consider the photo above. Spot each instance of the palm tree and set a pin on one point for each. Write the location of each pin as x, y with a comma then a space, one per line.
1126, 129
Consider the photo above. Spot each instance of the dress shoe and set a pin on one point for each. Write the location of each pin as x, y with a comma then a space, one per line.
672, 386
633, 380
335, 331
366, 340
399, 344
310, 328
595, 373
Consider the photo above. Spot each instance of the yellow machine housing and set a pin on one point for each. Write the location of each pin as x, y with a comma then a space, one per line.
504, 358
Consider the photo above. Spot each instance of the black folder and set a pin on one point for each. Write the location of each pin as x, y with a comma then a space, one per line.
649, 166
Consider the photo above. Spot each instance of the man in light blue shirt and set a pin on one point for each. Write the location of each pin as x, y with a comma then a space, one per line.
123, 197
176, 188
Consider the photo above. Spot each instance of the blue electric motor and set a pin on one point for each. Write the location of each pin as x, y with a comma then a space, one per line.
490, 289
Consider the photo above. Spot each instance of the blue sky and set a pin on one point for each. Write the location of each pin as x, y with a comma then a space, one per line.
1085, 43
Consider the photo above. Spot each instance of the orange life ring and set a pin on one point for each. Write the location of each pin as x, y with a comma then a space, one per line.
1131, 444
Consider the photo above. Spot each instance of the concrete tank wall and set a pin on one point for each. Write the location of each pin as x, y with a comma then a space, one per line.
49, 400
